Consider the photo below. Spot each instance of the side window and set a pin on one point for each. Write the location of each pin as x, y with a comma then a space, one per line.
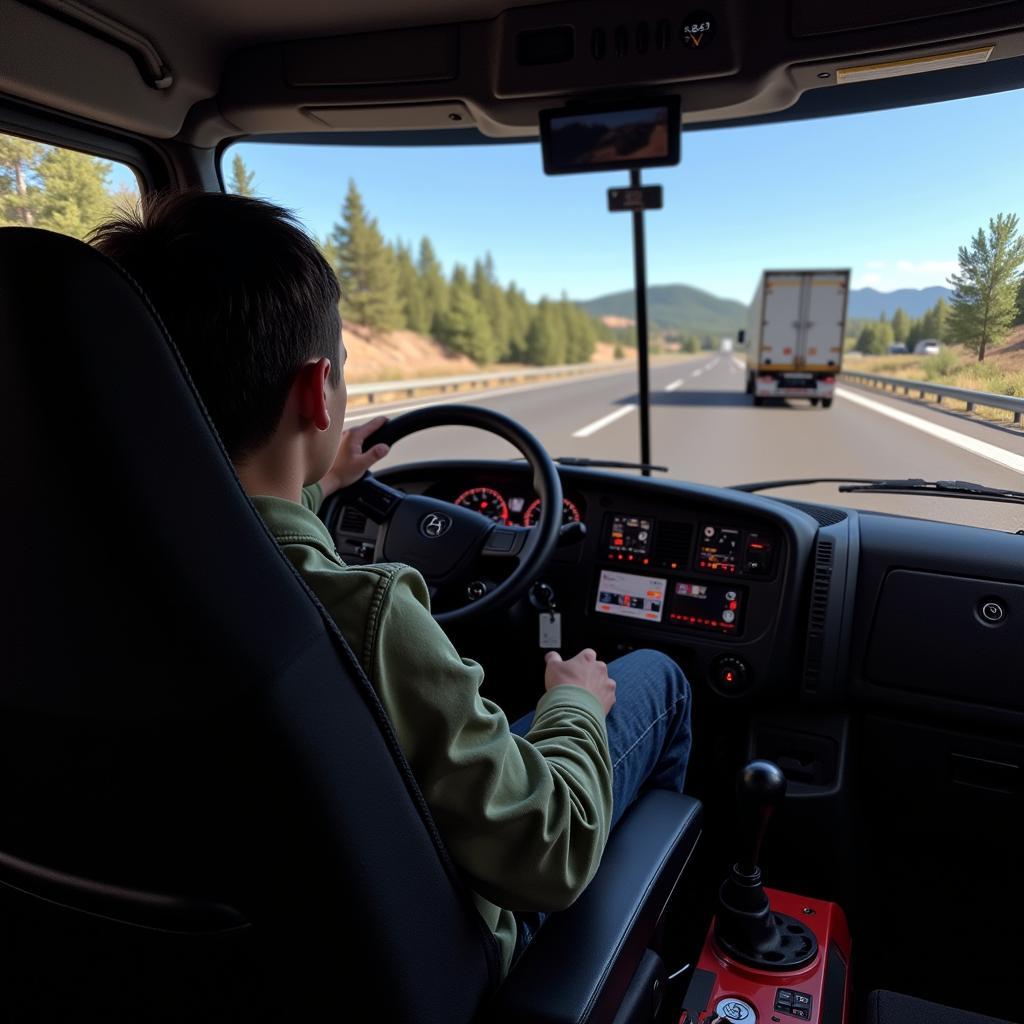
60, 189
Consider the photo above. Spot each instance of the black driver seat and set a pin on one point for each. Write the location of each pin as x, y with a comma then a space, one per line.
204, 812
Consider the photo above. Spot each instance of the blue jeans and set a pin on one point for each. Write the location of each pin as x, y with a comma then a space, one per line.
648, 738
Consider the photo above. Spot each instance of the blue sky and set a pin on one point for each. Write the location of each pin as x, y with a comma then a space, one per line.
890, 195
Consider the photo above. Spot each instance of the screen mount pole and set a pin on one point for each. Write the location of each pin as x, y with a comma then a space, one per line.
640, 291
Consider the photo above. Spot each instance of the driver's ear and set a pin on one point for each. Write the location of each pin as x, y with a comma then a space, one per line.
311, 393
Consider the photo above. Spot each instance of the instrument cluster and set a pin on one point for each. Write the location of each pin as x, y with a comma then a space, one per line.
512, 509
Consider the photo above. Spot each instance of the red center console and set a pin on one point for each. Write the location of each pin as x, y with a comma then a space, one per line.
723, 990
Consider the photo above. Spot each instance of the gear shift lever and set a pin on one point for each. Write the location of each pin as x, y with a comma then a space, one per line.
760, 790
746, 929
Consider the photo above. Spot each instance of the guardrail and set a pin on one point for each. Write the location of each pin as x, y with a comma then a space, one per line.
986, 399
410, 386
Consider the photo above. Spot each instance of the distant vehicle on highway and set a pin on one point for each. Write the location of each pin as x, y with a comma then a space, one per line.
725, 345
899, 349
795, 343
927, 347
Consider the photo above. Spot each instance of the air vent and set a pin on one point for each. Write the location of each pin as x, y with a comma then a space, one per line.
822, 513
824, 555
352, 520
672, 544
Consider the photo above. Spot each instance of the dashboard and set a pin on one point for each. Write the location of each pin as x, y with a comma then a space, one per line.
712, 577
751, 595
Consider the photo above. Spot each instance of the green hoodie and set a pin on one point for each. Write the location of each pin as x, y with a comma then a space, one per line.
525, 819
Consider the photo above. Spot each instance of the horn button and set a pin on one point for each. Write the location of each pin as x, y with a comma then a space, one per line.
438, 538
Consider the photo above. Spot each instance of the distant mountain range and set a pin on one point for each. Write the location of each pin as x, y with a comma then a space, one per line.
869, 304
675, 307
681, 307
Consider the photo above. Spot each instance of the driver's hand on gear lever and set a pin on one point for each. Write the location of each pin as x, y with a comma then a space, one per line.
352, 462
584, 671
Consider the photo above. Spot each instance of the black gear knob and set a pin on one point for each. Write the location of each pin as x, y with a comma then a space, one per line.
760, 789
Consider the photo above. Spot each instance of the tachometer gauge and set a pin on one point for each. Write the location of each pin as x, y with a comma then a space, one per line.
570, 513
485, 500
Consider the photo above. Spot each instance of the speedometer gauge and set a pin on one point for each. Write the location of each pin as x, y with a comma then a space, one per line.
485, 500
570, 513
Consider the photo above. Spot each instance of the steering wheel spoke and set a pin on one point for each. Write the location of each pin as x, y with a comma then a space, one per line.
374, 498
506, 542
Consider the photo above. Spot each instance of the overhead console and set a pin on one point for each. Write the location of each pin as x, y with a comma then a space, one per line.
724, 59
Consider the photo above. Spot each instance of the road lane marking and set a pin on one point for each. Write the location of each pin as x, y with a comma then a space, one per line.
739, 362
593, 428
696, 373
714, 362
1000, 456
675, 384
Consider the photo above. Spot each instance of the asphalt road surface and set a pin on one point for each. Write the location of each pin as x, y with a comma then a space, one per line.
705, 429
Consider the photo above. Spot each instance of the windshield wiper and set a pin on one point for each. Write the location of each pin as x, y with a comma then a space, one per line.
572, 460
940, 488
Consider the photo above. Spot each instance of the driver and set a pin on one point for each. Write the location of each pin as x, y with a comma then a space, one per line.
526, 808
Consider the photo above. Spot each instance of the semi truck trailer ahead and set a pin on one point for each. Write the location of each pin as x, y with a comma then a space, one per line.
795, 337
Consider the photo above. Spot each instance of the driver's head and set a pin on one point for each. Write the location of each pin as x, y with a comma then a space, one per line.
252, 306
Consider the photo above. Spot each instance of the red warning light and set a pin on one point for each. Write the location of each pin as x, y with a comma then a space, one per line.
729, 677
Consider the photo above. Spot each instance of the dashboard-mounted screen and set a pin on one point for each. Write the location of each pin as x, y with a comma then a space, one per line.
706, 605
611, 136
629, 537
631, 596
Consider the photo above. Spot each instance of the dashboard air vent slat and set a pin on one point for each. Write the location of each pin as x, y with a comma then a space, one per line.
824, 556
672, 543
352, 520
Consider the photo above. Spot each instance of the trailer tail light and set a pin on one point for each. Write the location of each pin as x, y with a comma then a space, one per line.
765, 380
828, 380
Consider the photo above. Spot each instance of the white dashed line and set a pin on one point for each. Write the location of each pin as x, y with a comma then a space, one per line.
965, 441
675, 384
593, 428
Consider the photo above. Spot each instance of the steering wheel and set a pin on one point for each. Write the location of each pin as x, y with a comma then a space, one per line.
457, 549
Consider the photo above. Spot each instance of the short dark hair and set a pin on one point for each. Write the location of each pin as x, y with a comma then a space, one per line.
245, 294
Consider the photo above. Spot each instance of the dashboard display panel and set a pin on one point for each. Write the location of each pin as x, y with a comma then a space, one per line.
629, 537
716, 606
719, 549
631, 596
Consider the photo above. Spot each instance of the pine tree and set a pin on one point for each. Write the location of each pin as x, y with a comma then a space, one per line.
241, 182
1020, 303
900, 325
19, 180
580, 335
367, 268
546, 338
985, 300
74, 197
520, 316
410, 289
491, 297
432, 280
464, 326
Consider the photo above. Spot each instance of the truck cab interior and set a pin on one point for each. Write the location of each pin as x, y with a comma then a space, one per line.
205, 813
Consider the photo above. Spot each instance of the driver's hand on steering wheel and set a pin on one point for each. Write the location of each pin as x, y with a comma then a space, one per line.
584, 671
352, 462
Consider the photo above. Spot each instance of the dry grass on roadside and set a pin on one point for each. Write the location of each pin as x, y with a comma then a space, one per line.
1001, 373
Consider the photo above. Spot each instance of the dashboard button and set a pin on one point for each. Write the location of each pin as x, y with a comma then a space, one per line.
729, 675
993, 611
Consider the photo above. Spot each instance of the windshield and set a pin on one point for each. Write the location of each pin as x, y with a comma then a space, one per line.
467, 261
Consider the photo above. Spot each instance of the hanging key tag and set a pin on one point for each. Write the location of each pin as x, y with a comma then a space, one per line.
550, 630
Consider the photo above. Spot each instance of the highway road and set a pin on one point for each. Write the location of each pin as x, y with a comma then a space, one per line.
705, 429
